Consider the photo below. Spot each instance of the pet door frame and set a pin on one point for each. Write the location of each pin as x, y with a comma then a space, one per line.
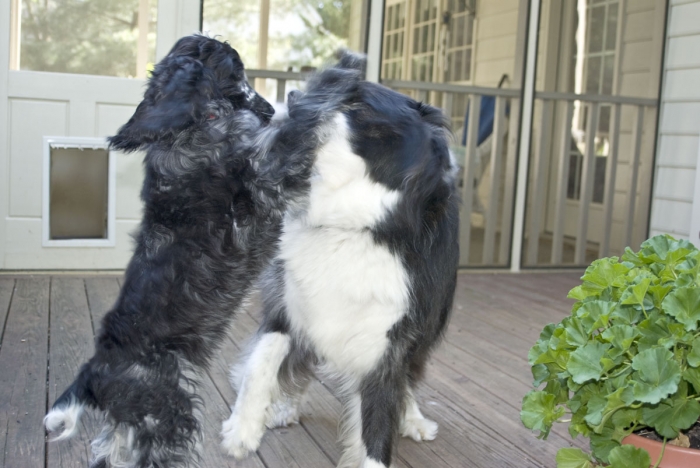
83, 143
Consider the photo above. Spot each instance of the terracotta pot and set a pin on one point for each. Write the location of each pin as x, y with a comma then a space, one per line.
674, 457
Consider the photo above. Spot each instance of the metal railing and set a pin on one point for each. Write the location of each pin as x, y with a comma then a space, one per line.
502, 167
592, 102
281, 77
498, 164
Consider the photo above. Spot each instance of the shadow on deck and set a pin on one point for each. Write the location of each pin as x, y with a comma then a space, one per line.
473, 388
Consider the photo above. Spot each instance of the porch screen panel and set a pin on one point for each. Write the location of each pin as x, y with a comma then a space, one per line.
590, 176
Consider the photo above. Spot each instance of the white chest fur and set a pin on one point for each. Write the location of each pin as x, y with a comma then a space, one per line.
343, 291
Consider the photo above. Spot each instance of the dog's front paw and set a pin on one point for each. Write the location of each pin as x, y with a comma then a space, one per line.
419, 429
239, 438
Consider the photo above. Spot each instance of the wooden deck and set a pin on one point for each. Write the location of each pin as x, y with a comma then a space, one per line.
473, 388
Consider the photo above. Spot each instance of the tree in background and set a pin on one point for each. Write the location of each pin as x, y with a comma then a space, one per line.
301, 33
96, 37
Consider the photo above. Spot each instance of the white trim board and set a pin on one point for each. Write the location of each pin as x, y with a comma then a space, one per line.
695, 213
78, 142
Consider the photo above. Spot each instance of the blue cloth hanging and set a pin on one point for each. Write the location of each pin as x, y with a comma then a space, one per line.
486, 118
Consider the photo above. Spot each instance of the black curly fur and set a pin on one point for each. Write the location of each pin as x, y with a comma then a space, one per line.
217, 181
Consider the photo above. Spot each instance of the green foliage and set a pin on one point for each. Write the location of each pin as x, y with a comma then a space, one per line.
97, 37
301, 32
627, 358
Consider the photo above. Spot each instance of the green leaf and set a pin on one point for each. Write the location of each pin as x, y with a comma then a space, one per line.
672, 415
596, 405
602, 444
665, 249
576, 334
628, 456
621, 337
584, 363
573, 458
684, 305
654, 331
560, 392
540, 373
595, 314
540, 412
600, 275
635, 294
657, 375
692, 376
659, 292
536, 351
626, 315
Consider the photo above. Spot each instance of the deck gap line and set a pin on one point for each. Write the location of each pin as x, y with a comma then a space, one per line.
490, 431
476, 382
517, 408
48, 374
87, 298
507, 350
301, 424
7, 315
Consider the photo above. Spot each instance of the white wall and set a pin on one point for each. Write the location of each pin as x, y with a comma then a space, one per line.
679, 127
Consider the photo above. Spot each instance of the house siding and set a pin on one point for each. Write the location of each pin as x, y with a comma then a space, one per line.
679, 127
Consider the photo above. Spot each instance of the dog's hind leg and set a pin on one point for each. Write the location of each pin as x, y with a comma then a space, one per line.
413, 423
372, 418
258, 390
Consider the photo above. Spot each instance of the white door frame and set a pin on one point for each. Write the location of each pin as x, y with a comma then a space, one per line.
694, 235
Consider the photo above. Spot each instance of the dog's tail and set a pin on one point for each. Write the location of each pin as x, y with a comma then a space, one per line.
66, 411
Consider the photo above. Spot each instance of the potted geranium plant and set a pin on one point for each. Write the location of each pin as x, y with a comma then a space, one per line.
627, 359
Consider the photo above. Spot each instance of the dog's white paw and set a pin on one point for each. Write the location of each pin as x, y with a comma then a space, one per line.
239, 439
282, 413
419, 429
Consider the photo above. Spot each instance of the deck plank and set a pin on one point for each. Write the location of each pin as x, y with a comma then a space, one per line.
7, 287
473, 388
102, 293
71, 345
23, 375
290, 446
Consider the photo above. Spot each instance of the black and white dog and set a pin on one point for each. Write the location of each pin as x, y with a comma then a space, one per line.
217, 181
363, 283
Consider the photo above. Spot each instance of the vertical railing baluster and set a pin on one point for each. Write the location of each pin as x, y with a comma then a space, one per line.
468, 179
562, 184
281, 88
634, 173
494, 180
610, 176
587, 180
447, 99
644, 181
539, 184
509, 182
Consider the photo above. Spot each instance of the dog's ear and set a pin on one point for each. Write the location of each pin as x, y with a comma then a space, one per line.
351, 61
176, 97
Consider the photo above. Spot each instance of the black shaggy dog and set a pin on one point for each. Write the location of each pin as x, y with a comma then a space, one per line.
218, 179
363, 282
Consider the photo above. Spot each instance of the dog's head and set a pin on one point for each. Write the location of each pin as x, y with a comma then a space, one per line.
197, 72
228, 70
178, 95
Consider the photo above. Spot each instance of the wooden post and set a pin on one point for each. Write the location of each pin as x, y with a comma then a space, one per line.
465, 221
610, 176
562, 184
142, 45
15, 33
262, 42
587, 180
